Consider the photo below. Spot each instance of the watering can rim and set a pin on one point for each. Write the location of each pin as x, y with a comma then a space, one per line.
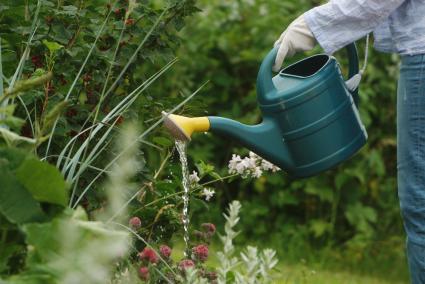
265, 85
330, 58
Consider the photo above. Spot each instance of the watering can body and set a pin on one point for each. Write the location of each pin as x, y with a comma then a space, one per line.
310, 118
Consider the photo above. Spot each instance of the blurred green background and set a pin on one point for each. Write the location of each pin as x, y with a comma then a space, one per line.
347, 218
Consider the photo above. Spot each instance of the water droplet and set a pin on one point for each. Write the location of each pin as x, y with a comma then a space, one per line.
181, 148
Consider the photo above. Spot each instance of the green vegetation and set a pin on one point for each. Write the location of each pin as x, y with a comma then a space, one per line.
74, 73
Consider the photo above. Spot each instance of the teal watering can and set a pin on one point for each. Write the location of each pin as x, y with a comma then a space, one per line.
310, 118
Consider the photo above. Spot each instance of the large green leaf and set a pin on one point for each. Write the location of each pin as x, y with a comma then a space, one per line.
43, 181
11, 158
16, 203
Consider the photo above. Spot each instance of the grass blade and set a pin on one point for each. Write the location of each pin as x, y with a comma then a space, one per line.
143, 135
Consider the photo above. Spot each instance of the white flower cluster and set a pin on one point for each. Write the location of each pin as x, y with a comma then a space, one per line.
194, 179
251, 166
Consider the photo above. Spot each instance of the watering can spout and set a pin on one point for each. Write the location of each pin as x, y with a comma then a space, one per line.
264, 139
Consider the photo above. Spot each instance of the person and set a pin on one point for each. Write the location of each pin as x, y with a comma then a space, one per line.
398, 27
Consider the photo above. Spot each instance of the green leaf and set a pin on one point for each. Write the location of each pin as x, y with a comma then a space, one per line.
204, 169
11, 158
43, 181
163, 141
319, 227
16, 203
6, 253
52, 46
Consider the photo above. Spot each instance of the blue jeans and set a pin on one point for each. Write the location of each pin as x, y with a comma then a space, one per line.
411, 160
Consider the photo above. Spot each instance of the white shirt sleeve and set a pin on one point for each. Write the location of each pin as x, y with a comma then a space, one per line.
340, 22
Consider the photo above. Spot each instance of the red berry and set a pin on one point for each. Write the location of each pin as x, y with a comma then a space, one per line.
87, 77
120, 120
49, 20
36, 60
130, 22
71, 112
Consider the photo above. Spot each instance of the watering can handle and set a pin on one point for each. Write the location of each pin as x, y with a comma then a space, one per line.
265, 76
353, 69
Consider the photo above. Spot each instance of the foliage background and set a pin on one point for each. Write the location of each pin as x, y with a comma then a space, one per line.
345, 218
350, 212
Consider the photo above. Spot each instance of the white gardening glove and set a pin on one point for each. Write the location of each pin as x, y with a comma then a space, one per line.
297, 37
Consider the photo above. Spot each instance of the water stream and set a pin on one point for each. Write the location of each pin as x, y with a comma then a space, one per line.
181, 148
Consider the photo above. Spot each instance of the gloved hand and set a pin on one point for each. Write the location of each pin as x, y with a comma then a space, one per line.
297, 37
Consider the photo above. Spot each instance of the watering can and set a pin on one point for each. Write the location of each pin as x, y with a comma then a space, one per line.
310, 117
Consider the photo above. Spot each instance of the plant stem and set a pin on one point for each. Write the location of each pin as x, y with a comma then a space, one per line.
219, 179
181, 192
161, 167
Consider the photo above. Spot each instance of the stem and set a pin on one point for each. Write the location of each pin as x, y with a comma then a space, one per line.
219, 179
161, 167
181, 192
164, 198
334, 213
3, 239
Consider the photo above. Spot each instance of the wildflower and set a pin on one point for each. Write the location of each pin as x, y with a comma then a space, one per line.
200, 252
144, 273
236, 159
209, 227
251, 166
135, 223
186, 263
208, 193
165, 251
267, 166
194, 178
149, 255
257, 172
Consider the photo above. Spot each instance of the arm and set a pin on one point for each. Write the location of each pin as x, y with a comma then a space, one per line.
333, 26
340, 22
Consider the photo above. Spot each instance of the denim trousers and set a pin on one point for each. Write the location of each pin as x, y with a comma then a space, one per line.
411, 160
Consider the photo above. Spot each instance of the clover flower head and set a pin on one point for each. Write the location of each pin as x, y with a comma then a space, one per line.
209, 227
186, 264
135, 223
165, 251
144, 273
149, 255
200, 252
